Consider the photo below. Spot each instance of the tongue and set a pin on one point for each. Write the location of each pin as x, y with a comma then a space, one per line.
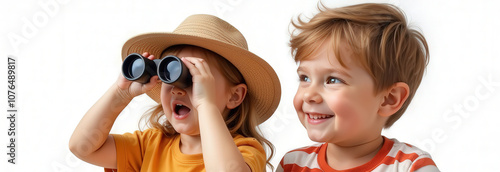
183, 110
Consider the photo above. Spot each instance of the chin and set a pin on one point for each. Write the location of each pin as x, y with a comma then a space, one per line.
317, 139
317, 136
188, 130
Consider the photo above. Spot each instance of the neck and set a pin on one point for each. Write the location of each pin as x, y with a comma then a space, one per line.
190, 144
342, 157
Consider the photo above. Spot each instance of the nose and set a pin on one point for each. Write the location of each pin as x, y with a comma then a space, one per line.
177, 91
312, 95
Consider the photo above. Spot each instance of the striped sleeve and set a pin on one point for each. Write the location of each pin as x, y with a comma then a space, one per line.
428, 168
302, 159
424, 163
405, 157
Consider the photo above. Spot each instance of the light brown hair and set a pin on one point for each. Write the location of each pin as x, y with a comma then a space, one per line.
240, 120
379, 38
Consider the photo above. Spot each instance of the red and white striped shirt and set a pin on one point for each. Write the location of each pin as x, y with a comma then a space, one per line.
393, 156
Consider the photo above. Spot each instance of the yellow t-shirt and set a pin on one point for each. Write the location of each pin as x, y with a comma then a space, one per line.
151, 151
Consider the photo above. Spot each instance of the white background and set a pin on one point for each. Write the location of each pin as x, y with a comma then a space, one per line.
69, 55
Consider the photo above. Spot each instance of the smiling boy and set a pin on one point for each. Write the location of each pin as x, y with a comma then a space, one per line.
359, 68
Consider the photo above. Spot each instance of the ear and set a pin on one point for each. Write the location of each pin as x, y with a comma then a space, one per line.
237, 96
394, 98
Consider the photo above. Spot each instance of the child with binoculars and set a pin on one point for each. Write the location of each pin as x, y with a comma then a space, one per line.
209, 124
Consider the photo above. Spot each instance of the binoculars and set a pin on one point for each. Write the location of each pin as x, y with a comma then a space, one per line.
170, 70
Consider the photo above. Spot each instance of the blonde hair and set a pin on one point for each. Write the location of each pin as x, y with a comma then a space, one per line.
379, 38
241, 120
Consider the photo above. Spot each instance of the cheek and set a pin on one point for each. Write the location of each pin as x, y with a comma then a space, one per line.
222, 98
344, 105
353, 109
222, 88
165, 98
297, 103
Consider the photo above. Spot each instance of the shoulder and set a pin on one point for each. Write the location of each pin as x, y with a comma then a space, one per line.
139, 149
401, 150
248, 143
242, 141
304, 157
150, 132
252, 151
409, 156
145, 136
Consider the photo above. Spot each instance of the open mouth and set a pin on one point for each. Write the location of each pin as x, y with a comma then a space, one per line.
181, 111
318, 118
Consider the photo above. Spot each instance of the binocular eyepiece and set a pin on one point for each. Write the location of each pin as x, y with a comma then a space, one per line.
170, 70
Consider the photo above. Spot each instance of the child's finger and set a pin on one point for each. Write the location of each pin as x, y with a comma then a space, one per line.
151, 57
191, 66
151, 84
200, 65
148, 56
205, 66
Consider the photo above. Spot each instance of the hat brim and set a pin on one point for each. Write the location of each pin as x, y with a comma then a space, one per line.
264, 89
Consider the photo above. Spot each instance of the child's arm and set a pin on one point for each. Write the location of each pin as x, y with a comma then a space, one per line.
219, 150
91, 141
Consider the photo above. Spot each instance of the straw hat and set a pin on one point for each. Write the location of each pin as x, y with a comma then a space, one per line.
215, 34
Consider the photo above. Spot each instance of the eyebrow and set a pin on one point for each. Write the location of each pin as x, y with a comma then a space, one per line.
330, 70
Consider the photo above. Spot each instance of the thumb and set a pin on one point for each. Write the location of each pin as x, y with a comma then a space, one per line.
153, 81
123, 83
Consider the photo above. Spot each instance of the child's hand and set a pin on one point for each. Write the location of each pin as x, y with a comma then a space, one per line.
203, 81
129, 89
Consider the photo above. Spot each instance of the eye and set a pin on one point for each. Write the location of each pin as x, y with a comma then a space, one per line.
304, 78
333, 80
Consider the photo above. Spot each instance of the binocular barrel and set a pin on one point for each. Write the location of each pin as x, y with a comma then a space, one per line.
170, 70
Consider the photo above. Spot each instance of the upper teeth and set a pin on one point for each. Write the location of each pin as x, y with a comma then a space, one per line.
319, 116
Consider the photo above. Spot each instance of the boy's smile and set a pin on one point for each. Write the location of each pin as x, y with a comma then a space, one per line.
317, 118
359, 67
337, 104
